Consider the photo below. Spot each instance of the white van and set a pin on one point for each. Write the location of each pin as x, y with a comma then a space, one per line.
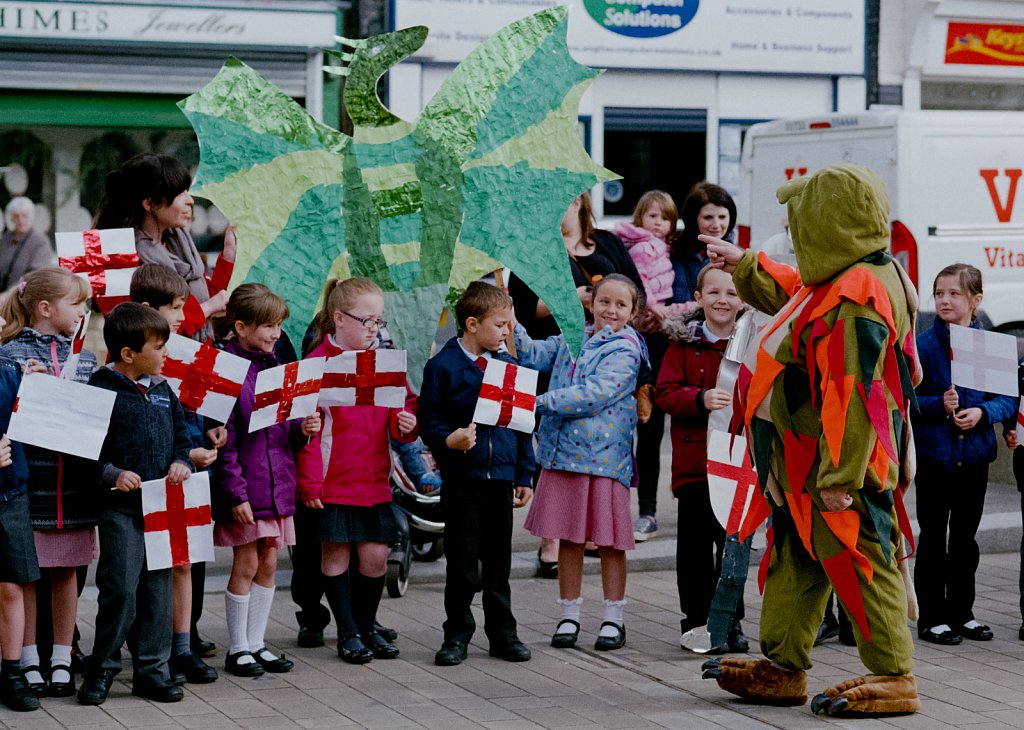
953, 187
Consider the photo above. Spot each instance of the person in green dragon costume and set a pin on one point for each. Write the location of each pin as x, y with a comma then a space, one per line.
824, 393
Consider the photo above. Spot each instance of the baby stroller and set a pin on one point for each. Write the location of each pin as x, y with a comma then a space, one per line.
416, 495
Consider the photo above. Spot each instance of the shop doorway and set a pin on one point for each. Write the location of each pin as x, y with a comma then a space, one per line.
653, 149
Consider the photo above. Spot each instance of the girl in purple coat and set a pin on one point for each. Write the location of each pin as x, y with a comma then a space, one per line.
255, 496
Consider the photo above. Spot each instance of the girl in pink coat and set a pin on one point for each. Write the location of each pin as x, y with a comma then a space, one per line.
344, 472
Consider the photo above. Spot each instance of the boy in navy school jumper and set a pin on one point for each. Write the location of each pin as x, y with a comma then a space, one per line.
18, 565
147, 439
483, 470
165, 290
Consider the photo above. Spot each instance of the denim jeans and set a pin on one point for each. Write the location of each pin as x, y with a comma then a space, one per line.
727, 605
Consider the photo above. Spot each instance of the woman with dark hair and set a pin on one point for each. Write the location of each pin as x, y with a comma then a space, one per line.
149, 193
708, 209
593, 254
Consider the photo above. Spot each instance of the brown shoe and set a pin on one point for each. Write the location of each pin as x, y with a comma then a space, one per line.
870, 694
758, 679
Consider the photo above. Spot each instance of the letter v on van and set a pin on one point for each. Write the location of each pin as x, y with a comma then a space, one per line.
1003, 211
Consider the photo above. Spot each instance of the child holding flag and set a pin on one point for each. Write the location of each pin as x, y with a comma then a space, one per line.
43, 313
344, 475
254, 493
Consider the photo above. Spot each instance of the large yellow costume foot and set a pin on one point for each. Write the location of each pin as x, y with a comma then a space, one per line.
869, 694
759, 680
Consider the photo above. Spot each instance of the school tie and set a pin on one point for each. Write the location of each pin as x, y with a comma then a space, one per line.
481, 362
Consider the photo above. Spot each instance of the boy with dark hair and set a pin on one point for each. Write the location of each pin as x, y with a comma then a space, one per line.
147, 439
483, 469
166, 291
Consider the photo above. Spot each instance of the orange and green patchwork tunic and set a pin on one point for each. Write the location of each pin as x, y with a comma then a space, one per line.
825, 392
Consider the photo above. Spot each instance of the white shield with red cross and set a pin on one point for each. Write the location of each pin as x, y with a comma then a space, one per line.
205, 379
508, 396
177, 522
61, 415
982, 360
105, 258
365, 378
731, 478
70, 366
287, 392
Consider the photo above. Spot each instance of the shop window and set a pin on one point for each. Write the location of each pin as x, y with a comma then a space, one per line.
99, 157
24, 170
663, 149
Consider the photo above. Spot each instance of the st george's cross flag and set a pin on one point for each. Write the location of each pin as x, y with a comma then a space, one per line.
70, 366
365, 378
205, 379
177, 522
508, 396
736, 498
61, 415
105, 258
287, 392
983, 360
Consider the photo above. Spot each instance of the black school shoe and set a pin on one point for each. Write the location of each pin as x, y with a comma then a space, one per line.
168, 692
248, 669
61, 689
610, 643
389, 634
271, 663
451, 653
945, 636
352, 650
95, 687
192, 668
380, 647
514, 651
16, 694
38, 688
977, 632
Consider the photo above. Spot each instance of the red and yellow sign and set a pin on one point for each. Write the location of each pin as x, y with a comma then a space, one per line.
985, 44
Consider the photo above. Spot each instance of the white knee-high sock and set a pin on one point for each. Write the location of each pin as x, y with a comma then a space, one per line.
261, 600
236, 609
570, 612
612, 613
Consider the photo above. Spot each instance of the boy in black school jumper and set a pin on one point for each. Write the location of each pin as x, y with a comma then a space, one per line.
483, 469
147, 439
165, 290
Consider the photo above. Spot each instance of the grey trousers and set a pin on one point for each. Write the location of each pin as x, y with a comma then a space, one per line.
134, 603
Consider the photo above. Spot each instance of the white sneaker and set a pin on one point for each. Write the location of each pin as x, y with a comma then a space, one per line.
644, 527
697, 640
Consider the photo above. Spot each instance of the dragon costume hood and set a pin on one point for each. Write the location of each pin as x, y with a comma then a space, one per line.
857, 223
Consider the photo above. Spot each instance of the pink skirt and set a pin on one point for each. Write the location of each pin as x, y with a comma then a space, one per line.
580, 507
66, 548
279, 531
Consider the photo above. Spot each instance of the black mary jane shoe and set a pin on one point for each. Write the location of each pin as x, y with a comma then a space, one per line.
566, 639
248, 669
946, 637
61, 689
380, 647
610, 643
352, 650
546, 569
978, 632
271, 663
38, 688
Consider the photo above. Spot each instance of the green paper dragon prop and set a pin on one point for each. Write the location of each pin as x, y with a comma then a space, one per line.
487, 171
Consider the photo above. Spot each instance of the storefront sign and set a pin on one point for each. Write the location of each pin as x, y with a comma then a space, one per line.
985, 44
764, 36
178, 23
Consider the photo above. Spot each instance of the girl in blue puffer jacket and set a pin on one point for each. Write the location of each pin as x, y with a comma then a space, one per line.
586, 453
955, 438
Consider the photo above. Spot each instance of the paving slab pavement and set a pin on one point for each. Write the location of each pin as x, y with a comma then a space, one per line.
650, 683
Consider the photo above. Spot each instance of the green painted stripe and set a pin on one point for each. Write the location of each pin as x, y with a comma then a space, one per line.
401, 228
402, 200
405, 275
242, 148
390, 177
382, 135
401, 253
387, 153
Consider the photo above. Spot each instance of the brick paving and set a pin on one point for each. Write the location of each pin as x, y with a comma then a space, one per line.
650, 683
